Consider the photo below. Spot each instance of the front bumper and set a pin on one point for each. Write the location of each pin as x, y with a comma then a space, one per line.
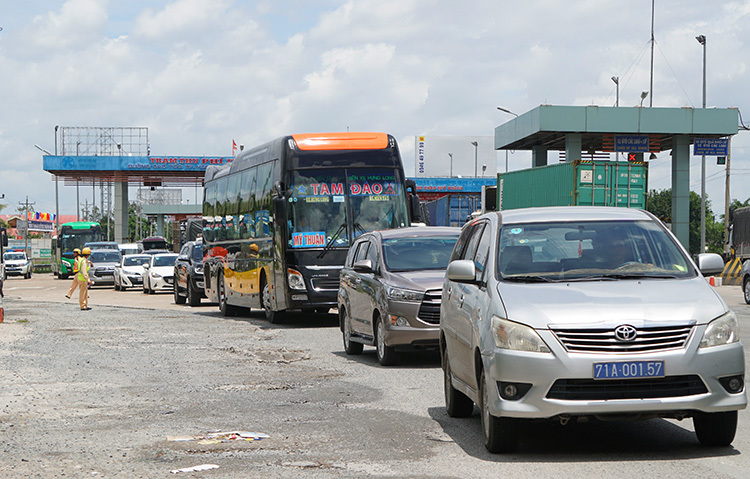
162, 283
17, 270
542, 370
130, 280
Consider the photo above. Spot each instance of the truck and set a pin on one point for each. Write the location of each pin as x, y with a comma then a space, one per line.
451, 210
739, 235
576, 183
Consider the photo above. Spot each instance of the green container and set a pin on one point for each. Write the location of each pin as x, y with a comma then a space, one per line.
578, 183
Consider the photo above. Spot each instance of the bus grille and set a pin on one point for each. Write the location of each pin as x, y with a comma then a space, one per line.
429, 311
325, 284
603, 340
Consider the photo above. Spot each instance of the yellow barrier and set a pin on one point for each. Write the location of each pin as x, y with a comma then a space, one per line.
732, 274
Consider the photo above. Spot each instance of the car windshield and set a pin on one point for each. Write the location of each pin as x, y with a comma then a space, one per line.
198, 252
414, 254
93, 246
136, 260
105, 257
165, 260
594, 250
14, 256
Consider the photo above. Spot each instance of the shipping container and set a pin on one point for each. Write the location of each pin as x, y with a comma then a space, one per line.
452, 210
578, 183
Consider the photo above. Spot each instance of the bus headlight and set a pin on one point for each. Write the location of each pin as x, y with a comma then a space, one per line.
295, 279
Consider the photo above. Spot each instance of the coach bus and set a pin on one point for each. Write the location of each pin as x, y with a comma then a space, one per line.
72, 235
278, 220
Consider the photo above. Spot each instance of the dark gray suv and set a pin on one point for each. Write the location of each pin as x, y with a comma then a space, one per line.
390, 289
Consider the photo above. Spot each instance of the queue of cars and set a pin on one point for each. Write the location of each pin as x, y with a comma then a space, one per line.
557, 314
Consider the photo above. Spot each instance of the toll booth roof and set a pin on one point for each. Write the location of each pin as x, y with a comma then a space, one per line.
546, 126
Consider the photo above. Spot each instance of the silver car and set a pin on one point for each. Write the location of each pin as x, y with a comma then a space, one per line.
568, 313
389, 293
103, 262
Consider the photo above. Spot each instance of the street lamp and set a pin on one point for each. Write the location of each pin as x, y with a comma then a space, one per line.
505, 110
451, 155
476, 147
702, 40
644, 94
617, 82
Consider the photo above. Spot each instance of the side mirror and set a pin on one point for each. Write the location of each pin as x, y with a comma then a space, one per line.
363, 266
461, 271
710, 264
146, 266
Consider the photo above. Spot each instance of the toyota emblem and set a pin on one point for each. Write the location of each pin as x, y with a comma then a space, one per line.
625, 333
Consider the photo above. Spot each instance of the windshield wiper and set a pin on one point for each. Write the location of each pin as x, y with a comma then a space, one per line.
359, 227
529, 279
329, 246
616, 276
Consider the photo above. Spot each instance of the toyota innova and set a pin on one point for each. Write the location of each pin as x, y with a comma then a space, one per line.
573, 313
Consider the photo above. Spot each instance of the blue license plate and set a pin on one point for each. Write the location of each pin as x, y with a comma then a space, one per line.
629, 370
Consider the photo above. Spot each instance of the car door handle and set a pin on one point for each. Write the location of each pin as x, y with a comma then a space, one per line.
461, 301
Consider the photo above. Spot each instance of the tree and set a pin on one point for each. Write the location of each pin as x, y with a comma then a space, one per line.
660, 204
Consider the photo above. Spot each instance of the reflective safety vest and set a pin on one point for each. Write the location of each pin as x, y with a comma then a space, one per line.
76, 265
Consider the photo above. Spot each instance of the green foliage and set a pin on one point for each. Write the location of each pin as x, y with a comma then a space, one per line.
660, 204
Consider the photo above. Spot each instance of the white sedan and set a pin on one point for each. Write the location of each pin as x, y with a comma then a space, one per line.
158, 274
129, 271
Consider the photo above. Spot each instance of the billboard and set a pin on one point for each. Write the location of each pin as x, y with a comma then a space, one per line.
455, 156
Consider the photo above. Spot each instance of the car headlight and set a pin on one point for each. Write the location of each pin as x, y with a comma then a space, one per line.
155, 275
515, 336
399, 294
722, 330
296, 281
198, 270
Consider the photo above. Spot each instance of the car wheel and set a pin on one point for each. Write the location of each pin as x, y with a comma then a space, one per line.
28, 275
271, 315
177, 298
225, 308
386, 354
746, 290
457, 403
715, 429
350, 347
193, 297
145, 288
117, 286
499, 432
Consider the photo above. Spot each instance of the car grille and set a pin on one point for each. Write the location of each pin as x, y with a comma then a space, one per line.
328, 284
429, 311
590, 389
603, 340
168, 279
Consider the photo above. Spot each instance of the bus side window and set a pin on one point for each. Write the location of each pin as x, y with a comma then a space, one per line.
247, 204
221, 201
233, 194
263, 199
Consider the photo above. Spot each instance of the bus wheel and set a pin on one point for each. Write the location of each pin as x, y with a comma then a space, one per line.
271, 315
225, 308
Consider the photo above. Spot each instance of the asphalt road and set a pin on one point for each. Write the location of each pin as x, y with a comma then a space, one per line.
100, 393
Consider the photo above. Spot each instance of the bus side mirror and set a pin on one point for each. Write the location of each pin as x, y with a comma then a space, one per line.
414, 208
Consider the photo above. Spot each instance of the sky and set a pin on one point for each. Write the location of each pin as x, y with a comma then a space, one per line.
202, 73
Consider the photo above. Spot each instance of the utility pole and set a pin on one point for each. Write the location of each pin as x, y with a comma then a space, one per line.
25, 207
726, 199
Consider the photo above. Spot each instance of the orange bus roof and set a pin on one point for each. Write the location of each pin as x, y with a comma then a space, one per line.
341, 141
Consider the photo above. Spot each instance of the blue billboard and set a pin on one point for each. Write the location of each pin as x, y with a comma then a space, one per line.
133, 163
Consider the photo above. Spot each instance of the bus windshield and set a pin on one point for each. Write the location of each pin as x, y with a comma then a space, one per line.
77, 238
338, 205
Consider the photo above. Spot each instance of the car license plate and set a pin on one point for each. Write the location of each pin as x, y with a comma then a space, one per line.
629, 370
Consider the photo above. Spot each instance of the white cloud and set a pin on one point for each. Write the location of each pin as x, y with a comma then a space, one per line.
199, 73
